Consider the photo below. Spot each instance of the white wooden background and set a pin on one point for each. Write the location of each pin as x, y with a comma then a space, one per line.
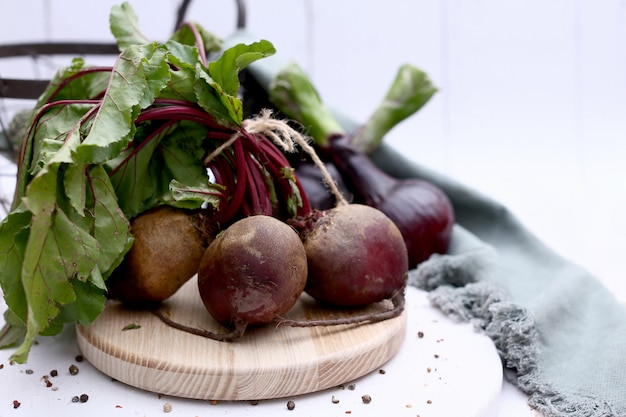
532, 101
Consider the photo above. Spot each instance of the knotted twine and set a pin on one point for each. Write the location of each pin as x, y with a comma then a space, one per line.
285, 137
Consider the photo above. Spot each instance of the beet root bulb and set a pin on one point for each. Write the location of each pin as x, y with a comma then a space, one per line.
168, 246
253, 272
356, 256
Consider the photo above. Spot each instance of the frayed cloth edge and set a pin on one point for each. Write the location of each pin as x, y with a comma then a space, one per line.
513, 331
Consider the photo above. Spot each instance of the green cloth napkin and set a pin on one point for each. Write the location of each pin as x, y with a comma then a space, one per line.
555, 325
560, 332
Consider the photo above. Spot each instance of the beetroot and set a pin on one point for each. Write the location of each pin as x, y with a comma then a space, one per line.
356, 256
253, 272
256, 269
169, 244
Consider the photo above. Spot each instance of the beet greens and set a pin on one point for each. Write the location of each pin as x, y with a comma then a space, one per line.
107, 144
164, 127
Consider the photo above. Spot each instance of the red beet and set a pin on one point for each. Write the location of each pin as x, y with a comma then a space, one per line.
253, 272
356, 256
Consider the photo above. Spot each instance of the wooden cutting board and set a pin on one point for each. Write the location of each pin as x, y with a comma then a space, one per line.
267, 362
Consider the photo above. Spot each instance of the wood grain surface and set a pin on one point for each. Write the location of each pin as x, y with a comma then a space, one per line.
267, 362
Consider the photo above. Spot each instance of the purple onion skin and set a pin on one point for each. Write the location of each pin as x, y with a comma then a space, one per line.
422, 212
318, 194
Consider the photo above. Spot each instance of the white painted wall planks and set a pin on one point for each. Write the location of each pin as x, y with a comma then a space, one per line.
532, 101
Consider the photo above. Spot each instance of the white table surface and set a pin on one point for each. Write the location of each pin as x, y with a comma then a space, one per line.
460, 381
450, 370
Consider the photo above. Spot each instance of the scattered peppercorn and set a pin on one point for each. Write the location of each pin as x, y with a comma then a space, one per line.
29, 371
73, 369
420, 334
291, 405
382, 372
1, 366
366, 399
84, 398
78, 358
75, 399
335, 400
54, 373
352, 387
167, 408
429, 402
16, 404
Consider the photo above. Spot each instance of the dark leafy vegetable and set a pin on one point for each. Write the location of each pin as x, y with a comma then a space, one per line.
106, 144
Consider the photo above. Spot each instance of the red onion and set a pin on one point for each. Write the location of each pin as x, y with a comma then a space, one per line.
421, 211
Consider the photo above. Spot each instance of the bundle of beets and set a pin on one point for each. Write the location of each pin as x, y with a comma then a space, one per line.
170, 154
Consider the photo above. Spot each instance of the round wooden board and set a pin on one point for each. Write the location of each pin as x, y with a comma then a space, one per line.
267, 362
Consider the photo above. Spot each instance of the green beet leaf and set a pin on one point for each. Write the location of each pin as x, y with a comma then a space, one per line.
188, 184
128, 92
13, 332
410, 91
208, 95
136, 173
181, 84
14, 232
124, 25
191, 34
224, 70
110, 226
217, 86
192, 197
89, 304
66, 85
